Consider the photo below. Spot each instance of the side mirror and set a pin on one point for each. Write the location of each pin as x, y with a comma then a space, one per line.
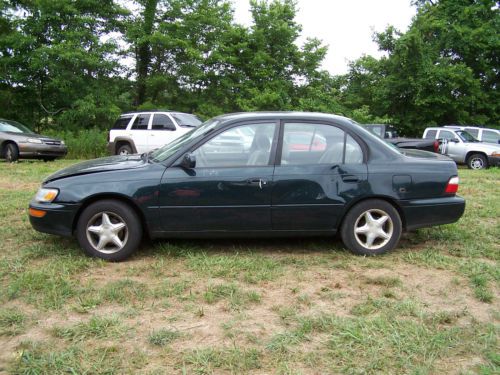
454, 140
188, 161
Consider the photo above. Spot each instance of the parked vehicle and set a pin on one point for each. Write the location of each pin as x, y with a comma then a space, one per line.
391, 135
462, 147
486, 135
138, 132
17, 141
358, 185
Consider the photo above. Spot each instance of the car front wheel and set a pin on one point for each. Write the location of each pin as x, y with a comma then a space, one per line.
11, 153
109, 229
371, 227
477, 161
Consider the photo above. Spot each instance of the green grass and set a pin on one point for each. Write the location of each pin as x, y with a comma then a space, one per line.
284, 306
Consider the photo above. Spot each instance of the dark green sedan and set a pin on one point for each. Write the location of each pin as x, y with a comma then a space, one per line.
253, 174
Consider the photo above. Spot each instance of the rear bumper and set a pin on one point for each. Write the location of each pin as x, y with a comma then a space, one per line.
57, 220
429, 212
493, 161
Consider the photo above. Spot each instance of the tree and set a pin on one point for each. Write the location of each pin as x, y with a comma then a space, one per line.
56, 65
443, 70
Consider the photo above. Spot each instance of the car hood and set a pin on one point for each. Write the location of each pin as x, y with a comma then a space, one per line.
31, 135
111, 163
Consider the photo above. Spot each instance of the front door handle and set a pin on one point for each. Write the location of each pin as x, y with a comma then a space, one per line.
350, 178
257, 182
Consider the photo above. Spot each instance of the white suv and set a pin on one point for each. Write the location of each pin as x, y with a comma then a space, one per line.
481, 134
138, 132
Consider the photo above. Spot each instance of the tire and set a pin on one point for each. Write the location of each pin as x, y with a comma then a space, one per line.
477, 161
46, 159
356, 227
11, 153
127, 230
124, 149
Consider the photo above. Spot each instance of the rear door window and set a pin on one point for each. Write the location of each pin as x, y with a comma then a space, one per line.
162, 122
431, 134
141, 122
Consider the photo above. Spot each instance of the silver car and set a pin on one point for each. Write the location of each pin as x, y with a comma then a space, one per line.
464, 148
18, 141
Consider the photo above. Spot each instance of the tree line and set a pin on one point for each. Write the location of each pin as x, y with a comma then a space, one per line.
76, 64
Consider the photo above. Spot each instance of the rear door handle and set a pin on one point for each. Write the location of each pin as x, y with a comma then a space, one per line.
350, 178
256, 182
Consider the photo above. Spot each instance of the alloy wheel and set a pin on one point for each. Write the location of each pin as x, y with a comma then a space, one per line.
373, 229
477, 163
107, 232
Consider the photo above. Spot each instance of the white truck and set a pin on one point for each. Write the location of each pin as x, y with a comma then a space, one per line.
139, 132
462, 147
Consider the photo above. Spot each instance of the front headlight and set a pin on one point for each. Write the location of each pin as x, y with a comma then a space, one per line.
34, 140
62, 142
46, 195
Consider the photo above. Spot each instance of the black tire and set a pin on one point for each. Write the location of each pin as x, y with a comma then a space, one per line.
11, 153
117, 212
477, 161
358, 241
124, 149
49, 159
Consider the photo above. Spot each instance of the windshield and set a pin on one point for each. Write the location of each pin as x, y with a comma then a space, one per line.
466, 136
163, 153
184, 119
378, 139
14, 127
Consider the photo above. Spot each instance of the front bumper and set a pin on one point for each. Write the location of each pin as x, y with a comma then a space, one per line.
58, 219
35, 150
494, 161
429, 212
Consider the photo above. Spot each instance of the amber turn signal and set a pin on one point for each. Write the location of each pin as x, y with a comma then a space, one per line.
37, 213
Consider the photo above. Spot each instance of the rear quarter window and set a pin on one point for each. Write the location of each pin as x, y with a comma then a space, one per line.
122, 122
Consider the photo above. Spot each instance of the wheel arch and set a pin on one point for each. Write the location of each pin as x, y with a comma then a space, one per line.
4, 145
119, 141
388, 199
470, 153
111, 196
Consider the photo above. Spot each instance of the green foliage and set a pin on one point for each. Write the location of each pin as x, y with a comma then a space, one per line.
443, 70
83, 144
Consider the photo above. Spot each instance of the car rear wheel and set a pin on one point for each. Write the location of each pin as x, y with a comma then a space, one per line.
11, 153
109, 229
124, 149
477, 161
371, 227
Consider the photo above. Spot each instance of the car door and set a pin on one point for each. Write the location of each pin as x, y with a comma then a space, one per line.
163, 131
139, 132
228, 189
320, 169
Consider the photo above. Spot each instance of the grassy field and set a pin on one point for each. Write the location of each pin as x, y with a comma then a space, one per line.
282, 306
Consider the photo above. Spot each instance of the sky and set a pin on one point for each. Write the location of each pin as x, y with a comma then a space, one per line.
346, 26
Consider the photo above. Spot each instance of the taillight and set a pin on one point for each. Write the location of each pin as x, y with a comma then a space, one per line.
436, 146
452, 186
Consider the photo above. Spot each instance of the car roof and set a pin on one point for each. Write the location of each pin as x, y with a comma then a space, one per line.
292, 115
152, 111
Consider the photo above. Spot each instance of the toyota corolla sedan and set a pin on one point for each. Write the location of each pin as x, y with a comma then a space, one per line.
354, 184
